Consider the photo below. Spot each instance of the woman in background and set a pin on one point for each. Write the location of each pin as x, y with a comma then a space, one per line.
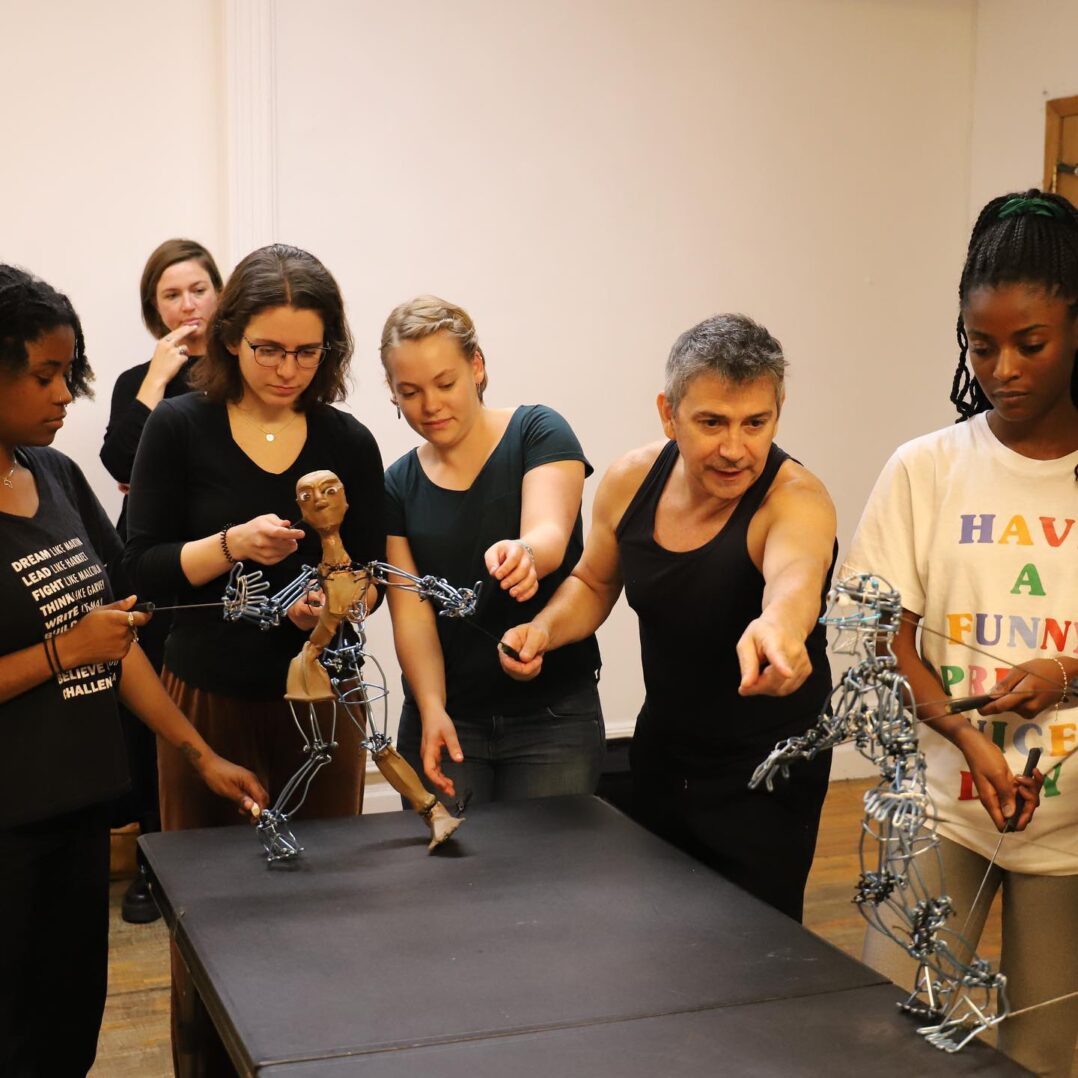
178, 295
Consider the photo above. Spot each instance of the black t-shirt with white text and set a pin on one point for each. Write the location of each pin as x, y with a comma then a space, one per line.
63, 748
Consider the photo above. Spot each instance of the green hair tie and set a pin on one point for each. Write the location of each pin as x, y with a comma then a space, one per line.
1021, 205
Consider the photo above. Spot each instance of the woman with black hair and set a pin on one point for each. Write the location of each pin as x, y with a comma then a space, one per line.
214, 483
64, 644
975, 527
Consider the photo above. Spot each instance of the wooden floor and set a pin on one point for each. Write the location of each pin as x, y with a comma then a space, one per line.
135, 1038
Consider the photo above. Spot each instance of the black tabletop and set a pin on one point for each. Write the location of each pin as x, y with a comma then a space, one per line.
853, 1031
540, 918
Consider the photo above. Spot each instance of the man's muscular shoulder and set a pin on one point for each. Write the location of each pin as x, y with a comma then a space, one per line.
794, 483
796, 497
622, 480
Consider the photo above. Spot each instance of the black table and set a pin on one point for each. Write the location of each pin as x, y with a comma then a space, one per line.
549, 937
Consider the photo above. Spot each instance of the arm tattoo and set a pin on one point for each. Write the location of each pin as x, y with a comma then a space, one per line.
191, 754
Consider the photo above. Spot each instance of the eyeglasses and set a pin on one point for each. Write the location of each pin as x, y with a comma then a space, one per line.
273, 355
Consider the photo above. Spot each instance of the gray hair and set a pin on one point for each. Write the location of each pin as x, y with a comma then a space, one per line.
732, 346
425, 315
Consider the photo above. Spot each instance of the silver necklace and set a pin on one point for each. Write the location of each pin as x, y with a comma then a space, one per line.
271, 435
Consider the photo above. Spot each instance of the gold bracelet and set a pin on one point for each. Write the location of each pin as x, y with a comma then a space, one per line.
1066, 682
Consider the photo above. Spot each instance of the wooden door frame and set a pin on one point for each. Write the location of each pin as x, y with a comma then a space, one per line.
1054, 112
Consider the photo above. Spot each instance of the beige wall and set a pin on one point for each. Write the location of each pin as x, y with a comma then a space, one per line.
111, 143
589, 178
1024, 57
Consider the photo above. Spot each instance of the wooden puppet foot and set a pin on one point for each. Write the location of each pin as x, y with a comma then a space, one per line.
441, 823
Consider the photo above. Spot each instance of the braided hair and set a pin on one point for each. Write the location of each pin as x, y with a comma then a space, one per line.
29, 308
1029, 238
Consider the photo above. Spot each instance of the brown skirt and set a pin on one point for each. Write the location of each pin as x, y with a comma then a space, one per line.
260, 735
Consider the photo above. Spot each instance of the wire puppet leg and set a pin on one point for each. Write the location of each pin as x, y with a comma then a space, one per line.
873, 706
357, 698
276, 836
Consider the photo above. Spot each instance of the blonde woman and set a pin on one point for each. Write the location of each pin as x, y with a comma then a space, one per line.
491, 494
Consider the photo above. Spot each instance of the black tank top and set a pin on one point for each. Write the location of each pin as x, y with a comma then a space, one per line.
693, 607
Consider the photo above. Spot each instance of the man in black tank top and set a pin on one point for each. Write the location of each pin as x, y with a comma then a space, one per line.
724, 546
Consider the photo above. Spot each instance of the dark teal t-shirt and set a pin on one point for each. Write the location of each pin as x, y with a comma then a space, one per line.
450, 530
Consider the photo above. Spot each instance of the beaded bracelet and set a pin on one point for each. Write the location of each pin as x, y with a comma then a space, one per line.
224, 545
528, 548
1066, 682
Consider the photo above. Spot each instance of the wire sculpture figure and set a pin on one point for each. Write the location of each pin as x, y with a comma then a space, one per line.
956, 992
326, 682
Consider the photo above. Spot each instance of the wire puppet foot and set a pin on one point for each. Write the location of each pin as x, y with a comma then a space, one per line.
277, 838
967, 1018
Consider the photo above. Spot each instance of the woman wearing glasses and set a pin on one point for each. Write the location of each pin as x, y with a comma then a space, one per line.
214, 483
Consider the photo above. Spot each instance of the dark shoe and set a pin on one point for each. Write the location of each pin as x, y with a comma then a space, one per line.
138, 906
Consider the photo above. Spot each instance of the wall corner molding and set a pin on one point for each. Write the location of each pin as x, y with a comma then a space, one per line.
251, 124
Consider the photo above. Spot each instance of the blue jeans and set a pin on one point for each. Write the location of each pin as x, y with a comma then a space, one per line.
545, 753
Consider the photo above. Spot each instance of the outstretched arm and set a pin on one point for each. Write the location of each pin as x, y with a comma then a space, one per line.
798, 545
550, 501
585, 598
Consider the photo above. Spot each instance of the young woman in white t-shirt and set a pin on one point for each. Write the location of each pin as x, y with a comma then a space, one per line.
977, 527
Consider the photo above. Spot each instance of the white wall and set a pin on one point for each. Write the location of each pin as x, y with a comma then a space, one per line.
588, 178
591, 179
112, 143
1024, 57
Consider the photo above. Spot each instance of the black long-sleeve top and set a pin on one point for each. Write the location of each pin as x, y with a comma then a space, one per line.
127, 417
190, 480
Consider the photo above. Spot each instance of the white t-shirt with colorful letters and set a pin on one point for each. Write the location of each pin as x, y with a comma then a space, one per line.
982, 543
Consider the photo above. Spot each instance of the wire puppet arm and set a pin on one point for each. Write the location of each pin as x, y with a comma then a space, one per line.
451, 602
245, 597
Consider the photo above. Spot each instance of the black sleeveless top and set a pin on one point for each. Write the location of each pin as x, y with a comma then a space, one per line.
693, 607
